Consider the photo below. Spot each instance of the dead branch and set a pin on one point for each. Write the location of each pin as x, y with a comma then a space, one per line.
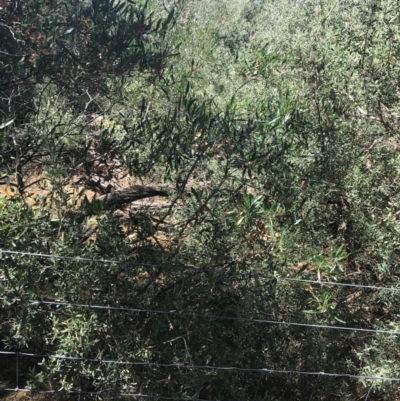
137, 192
131, 194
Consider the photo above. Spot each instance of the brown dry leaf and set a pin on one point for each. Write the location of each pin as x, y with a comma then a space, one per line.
353, 296
326, 251
262, 232
34, 57
312, 267
265, 237
35, 36
308, 287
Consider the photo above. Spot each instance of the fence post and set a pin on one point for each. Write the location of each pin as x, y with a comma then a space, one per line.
17, 370
79, 380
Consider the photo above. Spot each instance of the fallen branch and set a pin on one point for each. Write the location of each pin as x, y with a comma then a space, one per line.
137, 192
131, 194
149, 205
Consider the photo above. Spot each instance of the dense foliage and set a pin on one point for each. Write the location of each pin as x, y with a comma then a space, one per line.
188, 158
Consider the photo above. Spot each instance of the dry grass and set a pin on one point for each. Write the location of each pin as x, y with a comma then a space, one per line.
39, 193
25, 396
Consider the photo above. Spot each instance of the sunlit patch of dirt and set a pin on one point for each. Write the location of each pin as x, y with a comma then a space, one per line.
27, 396
41, 195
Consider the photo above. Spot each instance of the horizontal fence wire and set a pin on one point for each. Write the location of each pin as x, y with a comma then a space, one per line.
199, 270
190, 315
204, 316
206, 367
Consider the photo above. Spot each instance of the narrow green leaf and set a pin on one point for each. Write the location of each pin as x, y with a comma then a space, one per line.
7, 123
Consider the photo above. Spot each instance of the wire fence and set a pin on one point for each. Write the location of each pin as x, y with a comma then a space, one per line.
201, 367
200, 270
205, 316
184, 314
